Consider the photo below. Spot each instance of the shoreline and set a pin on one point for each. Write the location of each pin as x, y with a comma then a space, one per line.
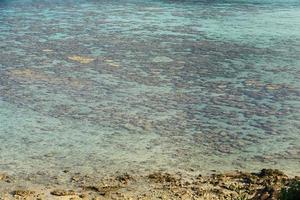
263, 185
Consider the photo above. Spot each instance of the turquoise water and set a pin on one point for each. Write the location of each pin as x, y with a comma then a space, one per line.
99, 86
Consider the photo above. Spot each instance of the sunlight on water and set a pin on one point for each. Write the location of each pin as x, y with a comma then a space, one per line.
101, 86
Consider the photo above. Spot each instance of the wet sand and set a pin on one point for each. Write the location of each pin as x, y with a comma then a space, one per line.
263, 185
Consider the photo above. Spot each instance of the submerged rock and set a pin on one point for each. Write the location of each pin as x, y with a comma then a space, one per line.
5, 178
162, 59
81, 59
47, 50
270, 172
112, 63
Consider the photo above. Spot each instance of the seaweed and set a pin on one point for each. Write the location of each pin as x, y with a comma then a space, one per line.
292, 192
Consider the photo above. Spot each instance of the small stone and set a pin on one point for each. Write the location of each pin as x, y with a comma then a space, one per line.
23, 193
124, 178
60, 192
265, 196
83, 196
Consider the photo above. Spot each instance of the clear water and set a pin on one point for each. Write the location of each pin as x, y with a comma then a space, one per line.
107, 85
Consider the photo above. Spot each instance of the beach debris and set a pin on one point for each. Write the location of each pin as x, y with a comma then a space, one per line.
81, 59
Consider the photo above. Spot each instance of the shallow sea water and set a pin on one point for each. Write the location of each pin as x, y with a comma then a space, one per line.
104, 85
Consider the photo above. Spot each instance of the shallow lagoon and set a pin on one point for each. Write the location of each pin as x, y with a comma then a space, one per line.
100, 86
